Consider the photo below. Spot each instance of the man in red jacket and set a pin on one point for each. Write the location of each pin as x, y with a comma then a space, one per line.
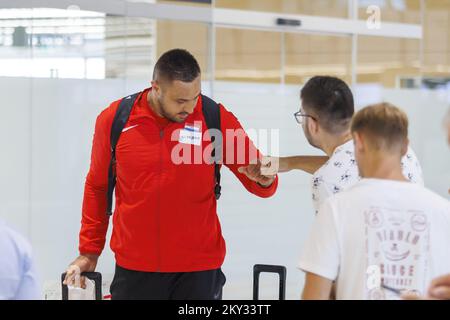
167, 238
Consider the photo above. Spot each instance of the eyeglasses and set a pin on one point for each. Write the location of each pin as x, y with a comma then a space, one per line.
301, 115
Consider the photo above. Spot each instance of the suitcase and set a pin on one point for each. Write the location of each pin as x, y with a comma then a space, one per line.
94, 276
262, 268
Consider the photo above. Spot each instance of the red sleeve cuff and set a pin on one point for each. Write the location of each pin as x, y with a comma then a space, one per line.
265, 192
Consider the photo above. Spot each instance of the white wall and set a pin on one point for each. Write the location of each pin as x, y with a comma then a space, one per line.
46, 137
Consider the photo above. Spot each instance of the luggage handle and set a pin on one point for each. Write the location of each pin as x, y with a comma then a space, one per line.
94, 276
263, 268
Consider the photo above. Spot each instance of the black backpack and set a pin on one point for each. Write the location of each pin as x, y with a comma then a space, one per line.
211, 112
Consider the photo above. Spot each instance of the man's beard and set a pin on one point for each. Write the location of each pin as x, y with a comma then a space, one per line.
163, 111
309, 138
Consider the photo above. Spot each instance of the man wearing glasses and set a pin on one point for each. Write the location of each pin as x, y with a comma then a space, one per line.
325, 116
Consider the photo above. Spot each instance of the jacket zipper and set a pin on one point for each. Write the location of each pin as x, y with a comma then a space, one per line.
158, 213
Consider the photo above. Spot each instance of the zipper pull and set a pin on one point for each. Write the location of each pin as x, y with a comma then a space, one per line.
161, 133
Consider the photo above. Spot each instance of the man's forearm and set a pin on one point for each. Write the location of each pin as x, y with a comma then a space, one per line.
309, 164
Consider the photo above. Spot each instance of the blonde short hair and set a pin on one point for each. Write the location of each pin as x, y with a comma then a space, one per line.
385, 125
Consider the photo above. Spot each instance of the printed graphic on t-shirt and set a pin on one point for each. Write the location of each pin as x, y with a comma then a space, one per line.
397, 244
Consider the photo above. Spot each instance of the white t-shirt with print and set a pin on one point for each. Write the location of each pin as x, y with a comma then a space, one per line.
380, 231
341, 172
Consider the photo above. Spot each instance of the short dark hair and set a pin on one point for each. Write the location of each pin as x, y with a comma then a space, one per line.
176, 64
331, 100
385, 125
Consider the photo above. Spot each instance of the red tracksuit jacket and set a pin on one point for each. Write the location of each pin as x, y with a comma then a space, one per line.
165, 217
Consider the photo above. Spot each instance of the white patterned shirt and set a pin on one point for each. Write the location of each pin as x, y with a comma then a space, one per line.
341, 172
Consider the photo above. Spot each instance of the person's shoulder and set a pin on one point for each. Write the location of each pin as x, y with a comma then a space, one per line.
106, 116
15, 240
110, 110
434, 199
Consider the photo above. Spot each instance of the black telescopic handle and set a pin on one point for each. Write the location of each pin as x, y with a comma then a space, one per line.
95, 276
280, 270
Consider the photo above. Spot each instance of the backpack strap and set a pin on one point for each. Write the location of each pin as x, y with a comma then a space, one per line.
211, 113
120, 119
